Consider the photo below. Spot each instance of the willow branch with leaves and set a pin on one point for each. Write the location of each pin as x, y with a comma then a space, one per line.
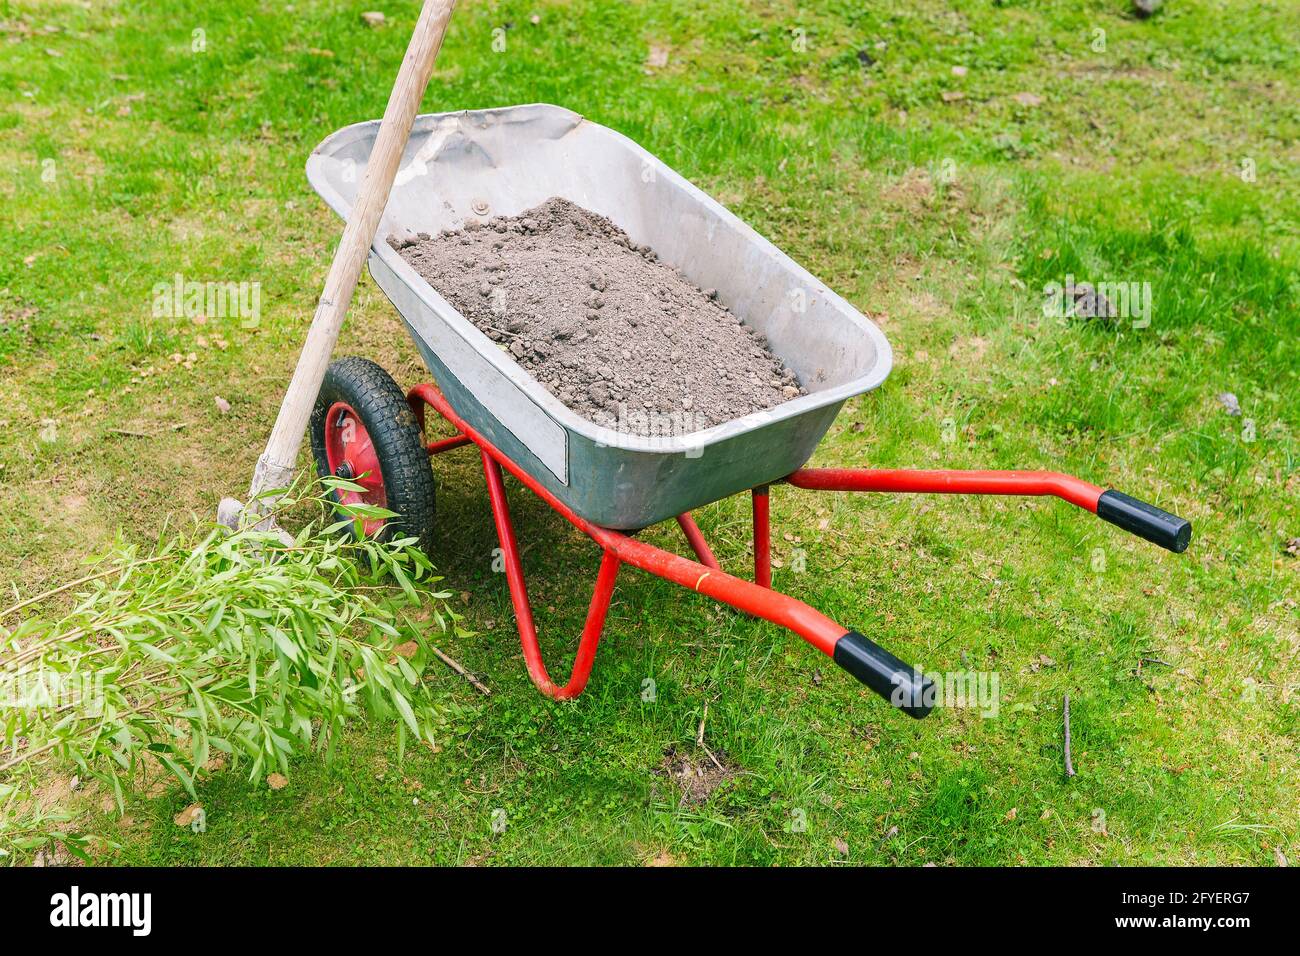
215, 642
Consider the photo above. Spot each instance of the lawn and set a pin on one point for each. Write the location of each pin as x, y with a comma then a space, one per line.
937, 164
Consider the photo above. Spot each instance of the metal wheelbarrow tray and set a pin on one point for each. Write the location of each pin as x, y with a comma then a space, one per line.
512, 159
608, 483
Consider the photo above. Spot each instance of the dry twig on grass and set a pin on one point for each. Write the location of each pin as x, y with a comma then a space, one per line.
699, 739
454, 665
1069, 765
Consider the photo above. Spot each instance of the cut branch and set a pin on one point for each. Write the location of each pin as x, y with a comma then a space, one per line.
1069, 764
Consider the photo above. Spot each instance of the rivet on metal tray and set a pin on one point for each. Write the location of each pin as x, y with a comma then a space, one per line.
480, 206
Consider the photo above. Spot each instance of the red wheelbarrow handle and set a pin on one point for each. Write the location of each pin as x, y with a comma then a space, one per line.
1134, 516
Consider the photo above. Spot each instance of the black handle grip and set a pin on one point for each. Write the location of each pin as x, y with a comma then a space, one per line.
900, 684
1144, 520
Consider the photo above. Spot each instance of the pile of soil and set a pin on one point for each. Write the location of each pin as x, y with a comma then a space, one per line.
618, 336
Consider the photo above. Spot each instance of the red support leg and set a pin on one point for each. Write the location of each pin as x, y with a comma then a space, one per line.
762, 537
600, 598
697, 542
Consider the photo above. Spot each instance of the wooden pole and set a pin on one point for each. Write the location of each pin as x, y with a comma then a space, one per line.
275, 467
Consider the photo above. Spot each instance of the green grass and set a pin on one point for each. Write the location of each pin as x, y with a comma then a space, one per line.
943, 220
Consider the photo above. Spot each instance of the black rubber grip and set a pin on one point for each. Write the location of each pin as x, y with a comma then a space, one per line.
1145, 521
900, 684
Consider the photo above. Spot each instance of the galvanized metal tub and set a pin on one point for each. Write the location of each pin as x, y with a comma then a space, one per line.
513, 158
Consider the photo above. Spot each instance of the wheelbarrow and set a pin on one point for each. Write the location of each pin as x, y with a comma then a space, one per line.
611, 483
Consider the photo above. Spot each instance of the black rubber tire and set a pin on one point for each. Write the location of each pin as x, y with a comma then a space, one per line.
399, 446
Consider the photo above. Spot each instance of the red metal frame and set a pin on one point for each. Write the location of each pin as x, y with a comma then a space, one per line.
705, 575
600, 599
1074, 490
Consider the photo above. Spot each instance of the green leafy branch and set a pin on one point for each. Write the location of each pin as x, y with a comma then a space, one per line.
216, 642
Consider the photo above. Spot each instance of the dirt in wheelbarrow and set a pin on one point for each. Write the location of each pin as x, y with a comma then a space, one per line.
620, 337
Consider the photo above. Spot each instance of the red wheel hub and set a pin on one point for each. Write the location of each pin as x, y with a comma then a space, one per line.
351, 455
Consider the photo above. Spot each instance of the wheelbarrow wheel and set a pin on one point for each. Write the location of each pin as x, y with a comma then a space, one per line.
363, 430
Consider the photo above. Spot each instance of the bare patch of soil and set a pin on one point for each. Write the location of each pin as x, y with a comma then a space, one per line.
695, 775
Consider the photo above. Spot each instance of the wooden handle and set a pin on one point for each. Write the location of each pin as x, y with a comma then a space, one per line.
276, 466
